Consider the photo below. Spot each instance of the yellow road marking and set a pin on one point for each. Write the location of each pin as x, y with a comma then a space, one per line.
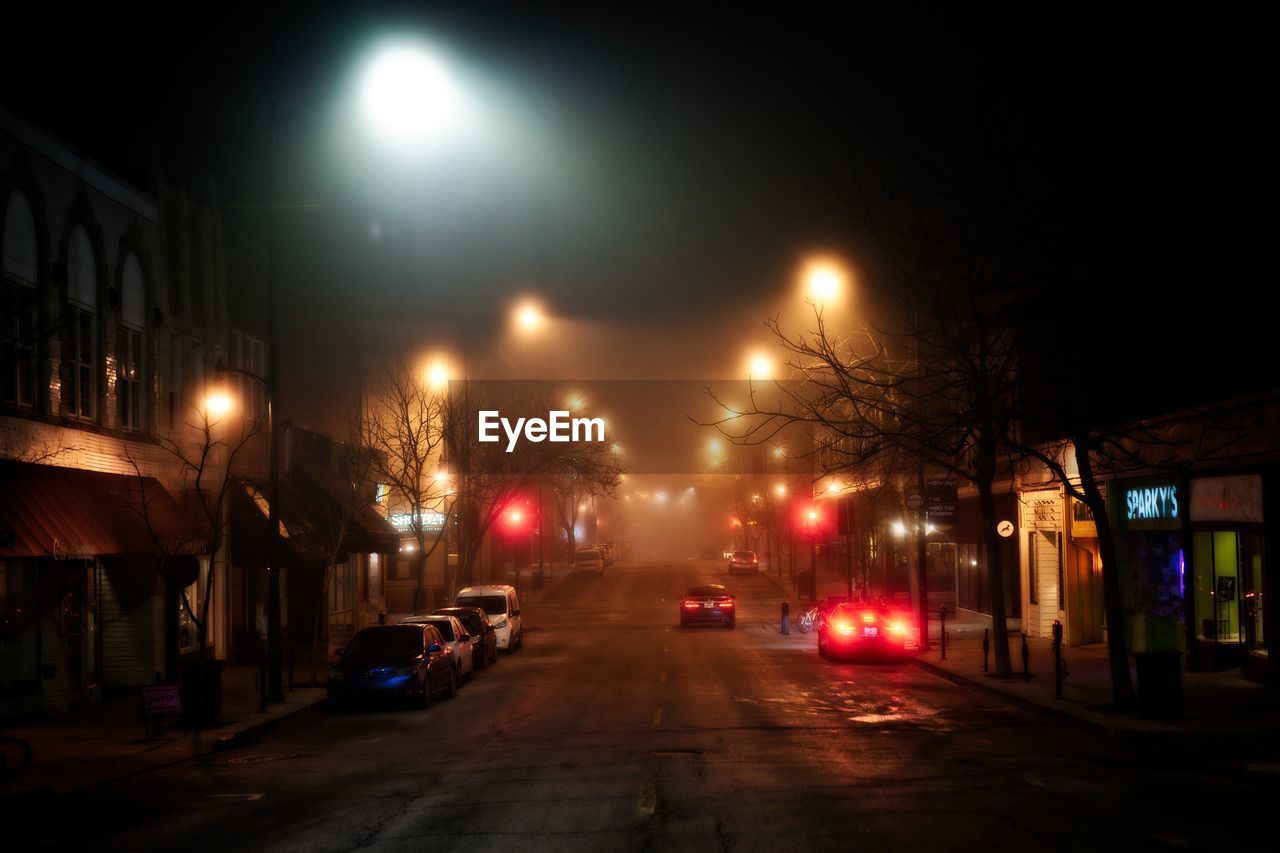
657, 717
648, 798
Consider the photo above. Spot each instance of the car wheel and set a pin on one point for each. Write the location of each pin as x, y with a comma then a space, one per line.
424, 697
822, 647
732, 621
684, 623
453, 684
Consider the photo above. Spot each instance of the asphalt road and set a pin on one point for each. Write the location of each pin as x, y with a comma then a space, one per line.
614, 729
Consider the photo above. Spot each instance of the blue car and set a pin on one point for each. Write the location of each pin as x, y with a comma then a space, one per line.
394, 662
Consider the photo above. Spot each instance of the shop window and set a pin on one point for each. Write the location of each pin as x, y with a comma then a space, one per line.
342, 595
189, 604
1219, 589
1033, 587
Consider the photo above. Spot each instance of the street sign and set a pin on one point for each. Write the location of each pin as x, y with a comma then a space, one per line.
1005, 528
941, 492
914, 501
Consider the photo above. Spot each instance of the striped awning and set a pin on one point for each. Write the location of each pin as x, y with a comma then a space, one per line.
71, 513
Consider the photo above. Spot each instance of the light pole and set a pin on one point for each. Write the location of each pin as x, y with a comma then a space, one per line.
395, 86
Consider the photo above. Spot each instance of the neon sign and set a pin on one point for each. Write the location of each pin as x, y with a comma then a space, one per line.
1151, 503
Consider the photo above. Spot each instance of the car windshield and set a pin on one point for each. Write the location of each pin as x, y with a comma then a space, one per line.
383, 643
469, 620
707, 592
445, 627
744, 555
494, 605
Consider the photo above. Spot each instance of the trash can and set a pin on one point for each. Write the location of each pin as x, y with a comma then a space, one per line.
1159, 685
202, 693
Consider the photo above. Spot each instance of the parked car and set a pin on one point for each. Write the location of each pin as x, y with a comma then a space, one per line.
455, 636
854, 629
394, 661
500, 603
588, 560
484, 640
711, 604
744, 561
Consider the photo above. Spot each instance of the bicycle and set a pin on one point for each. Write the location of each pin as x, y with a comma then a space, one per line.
808, 619
15, 756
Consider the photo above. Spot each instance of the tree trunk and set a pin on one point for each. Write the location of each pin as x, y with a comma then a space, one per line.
995, 570
1117, 647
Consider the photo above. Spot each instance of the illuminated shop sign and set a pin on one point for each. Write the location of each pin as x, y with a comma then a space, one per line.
403, 521
1151, 503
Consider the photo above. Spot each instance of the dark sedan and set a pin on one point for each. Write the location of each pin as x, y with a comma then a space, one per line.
484, 639
394, 662
707, 605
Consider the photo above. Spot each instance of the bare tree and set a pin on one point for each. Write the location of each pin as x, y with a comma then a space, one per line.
403, 427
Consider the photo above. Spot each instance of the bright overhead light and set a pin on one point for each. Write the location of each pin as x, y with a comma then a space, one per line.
407, 95
529, 317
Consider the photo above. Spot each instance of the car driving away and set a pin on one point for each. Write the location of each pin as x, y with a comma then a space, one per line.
853, 630
394, 662
744, 561
711, 604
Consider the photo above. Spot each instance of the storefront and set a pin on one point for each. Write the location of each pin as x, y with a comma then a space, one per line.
1041, 557
1229, 575
82, 568
1148, 517
973, 597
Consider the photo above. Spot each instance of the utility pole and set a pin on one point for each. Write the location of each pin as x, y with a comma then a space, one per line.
273, 686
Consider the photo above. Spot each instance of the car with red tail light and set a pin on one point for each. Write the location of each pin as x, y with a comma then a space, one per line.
710, 604
865, 630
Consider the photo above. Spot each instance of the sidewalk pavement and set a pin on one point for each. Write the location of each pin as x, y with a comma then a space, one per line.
105, 742
1214, 703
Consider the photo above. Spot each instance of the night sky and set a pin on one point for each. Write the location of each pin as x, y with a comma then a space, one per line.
658, 174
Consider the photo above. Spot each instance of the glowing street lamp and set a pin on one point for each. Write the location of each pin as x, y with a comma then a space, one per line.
217, 404
528, 317
759, 366
824, 281
406, 94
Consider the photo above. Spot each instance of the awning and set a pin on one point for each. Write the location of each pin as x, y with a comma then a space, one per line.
251, 527
71, 513
366, 531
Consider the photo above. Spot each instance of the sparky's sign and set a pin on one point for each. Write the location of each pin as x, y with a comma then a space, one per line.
1152, 506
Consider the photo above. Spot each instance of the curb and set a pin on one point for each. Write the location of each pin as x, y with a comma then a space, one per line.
1017, 701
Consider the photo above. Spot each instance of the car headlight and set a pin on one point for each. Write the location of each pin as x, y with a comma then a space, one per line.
501, 623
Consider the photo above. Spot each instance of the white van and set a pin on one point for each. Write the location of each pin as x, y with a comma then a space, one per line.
500, 604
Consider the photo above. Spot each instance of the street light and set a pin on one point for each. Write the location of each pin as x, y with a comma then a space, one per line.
406, 95
824, 281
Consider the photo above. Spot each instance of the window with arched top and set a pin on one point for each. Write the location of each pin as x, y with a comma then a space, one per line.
78, 340
129, 353
18, 303
19, 239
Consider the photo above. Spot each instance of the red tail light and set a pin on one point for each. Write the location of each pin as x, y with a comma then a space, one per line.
724, 604
691, 604
898, 627
843, 626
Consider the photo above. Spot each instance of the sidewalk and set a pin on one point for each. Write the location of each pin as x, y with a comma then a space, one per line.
105, 742
1217, 704
1213, 702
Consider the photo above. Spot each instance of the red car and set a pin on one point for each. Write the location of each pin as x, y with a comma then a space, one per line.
708, 605
854, 630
